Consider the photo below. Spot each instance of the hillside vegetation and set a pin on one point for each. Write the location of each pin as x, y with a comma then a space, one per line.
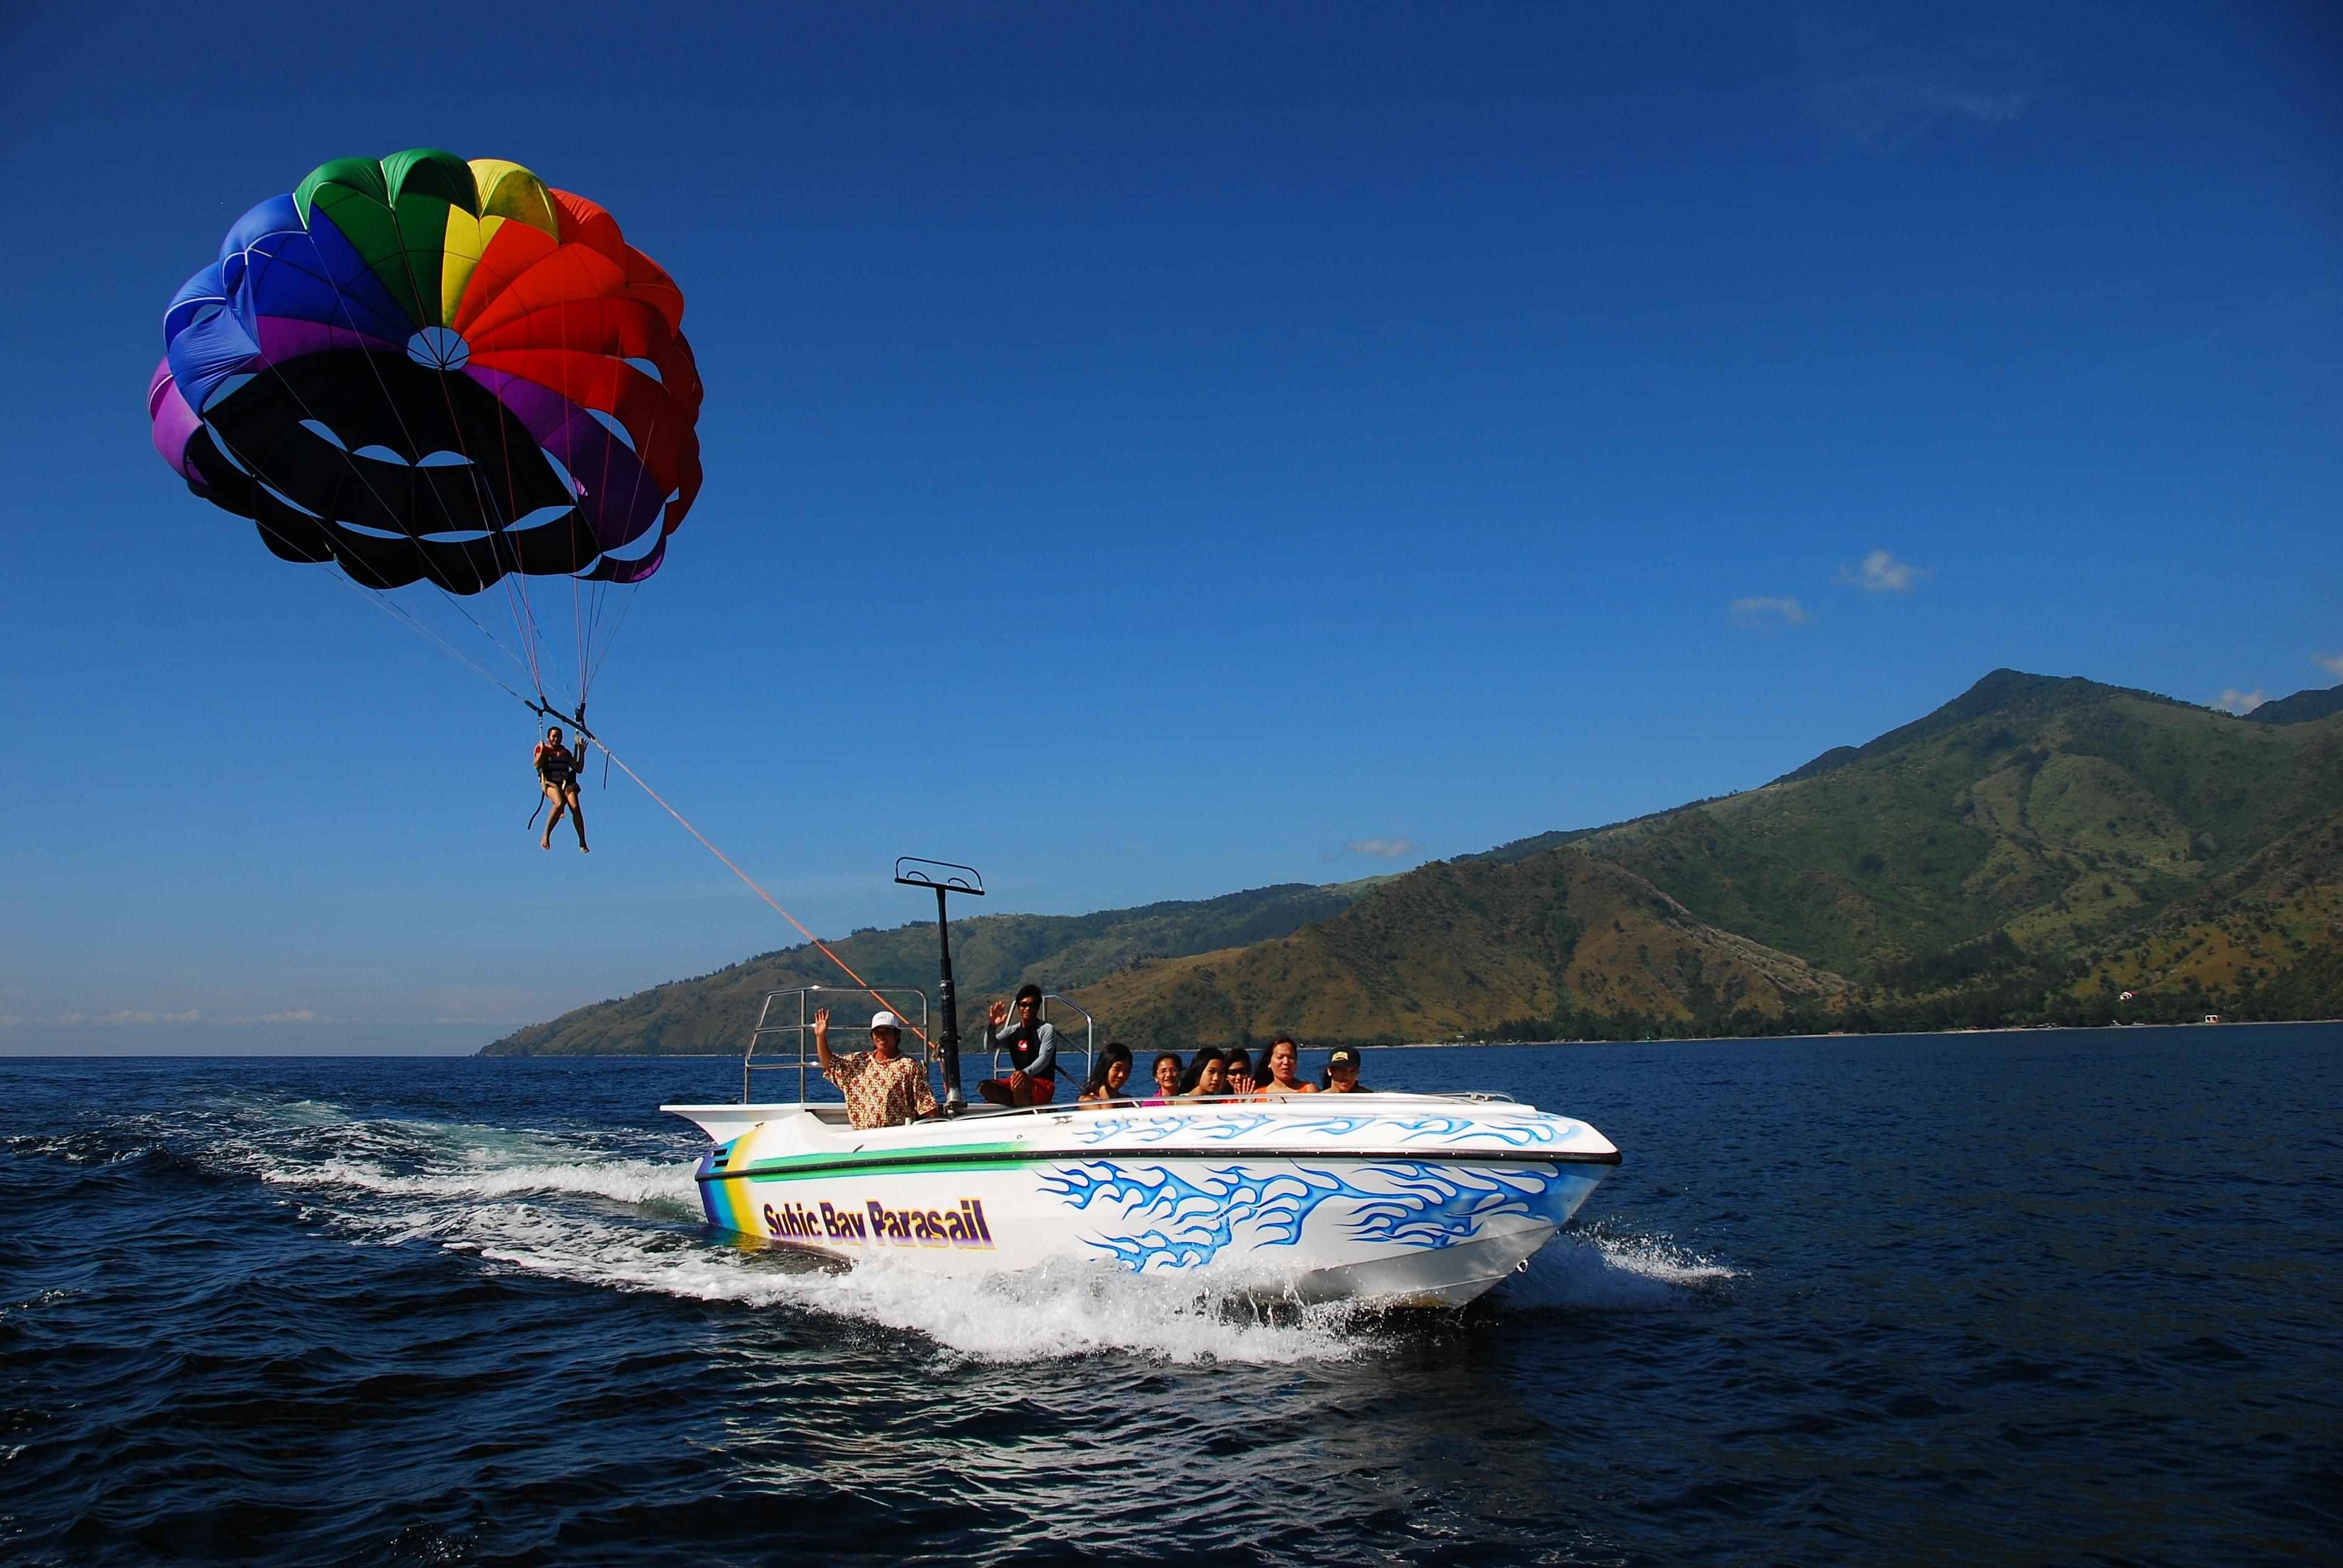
991, 956
2029, 852
1558, 942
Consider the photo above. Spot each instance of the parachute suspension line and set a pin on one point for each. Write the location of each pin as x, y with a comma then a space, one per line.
498, 541
603, 590
400, 414
770, 900
578, 630
577, 520
543, 708
616, 626
399, 612
357, 472
387, 606
350, 323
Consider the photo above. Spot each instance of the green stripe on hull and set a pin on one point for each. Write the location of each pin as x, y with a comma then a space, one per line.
799, 1167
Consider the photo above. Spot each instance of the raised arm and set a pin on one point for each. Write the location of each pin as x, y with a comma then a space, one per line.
821, 1042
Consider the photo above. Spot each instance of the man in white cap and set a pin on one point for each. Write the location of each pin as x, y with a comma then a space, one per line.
884, 1088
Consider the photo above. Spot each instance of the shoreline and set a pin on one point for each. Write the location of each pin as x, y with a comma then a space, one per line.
1408, 1045
1861, 1034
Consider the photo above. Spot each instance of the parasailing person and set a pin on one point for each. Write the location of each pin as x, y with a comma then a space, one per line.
556, 774
452, 386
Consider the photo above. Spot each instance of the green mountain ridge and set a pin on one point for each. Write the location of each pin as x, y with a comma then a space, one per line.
2312, 702
1557, 942
991, 956
2026, 852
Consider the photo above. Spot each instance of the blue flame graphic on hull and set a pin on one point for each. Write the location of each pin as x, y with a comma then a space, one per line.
1172, 1219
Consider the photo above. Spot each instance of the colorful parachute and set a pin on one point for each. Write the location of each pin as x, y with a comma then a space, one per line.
433, 370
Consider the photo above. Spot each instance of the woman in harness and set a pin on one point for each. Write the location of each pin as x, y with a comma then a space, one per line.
557, 771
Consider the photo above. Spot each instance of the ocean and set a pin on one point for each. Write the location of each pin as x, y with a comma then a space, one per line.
2034, 1297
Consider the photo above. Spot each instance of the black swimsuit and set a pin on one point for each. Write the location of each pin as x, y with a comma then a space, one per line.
555, 767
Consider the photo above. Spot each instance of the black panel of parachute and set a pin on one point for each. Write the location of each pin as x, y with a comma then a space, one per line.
390, 524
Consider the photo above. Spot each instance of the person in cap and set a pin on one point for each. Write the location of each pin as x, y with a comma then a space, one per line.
1343, 1073
884, 1088
1032, 1048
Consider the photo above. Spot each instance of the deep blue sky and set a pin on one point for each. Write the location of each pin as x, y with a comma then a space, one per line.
1152, 453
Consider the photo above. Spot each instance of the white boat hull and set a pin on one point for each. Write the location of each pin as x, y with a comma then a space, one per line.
1392, 1199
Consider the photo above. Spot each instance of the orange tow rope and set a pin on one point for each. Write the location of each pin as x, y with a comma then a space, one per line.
753, 887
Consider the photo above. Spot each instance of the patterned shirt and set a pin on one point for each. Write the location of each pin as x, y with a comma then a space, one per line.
883, 1093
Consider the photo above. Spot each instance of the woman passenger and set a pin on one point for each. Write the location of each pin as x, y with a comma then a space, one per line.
1284, 1065
1239, 1071
1107, 1079
1207, 1078
1166, 1073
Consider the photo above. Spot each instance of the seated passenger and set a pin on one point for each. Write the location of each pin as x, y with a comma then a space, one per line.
1343, 1073
1206, 1078
1239, 1067
1108, 1077
884, 1088
1167, 1079
1032, 1048
1284, 1065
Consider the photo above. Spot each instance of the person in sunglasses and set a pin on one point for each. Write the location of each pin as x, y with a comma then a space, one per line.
1032, 1046
1239, 1068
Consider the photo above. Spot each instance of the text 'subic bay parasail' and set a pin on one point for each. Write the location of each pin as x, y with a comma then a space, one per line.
429, 370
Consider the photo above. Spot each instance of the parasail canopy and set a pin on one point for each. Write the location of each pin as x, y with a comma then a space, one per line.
430, 370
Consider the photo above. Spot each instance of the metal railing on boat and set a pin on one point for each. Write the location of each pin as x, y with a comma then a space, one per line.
802, 1027
1090, 1032
807, 1001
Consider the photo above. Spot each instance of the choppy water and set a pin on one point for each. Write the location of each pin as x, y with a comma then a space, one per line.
2039, 1297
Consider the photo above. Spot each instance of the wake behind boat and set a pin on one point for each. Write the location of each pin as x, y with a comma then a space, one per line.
1393, 1199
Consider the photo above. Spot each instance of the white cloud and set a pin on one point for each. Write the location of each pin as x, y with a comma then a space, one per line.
130, 1015
1881, 572
1387, 849
1883, 86
2236, 701
299, 1015
2332, 663
1760, 612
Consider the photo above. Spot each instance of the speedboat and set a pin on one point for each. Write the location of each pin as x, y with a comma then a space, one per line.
1392, 1199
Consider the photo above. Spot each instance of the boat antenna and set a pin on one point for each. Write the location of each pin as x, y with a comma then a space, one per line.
946, 878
